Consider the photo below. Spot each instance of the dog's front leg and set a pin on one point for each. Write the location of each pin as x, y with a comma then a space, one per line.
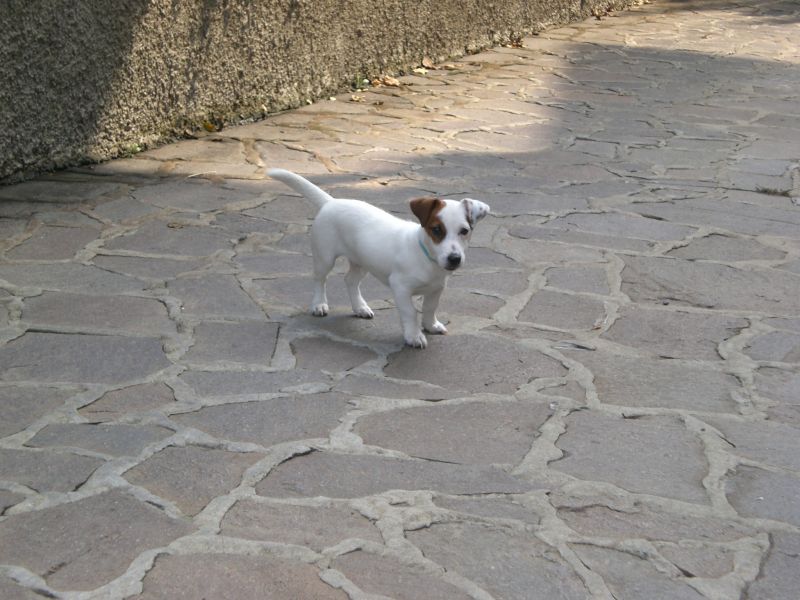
429, 321
409, 319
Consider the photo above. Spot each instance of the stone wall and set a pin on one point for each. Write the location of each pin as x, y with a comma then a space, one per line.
89, 80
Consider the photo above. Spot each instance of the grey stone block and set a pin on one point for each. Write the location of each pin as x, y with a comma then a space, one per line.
46, 471
565, 311
192, 576
215, 296
631, 577
22, 406
320, 353
191, 476
248, 343
53, 243
471, 433
449, 363
648, 455
269, 422
82, 545
142, 316
80, 358
764, 494
131, 400
393, 579
317, 527
673, 334
115, 440
506, 564
354, 476
779, 577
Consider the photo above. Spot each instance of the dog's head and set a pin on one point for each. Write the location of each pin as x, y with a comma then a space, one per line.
448, 225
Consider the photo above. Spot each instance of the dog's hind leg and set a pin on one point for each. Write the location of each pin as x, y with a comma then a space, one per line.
322, 266
353, 282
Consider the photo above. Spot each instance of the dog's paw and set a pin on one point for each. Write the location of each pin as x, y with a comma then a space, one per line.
364, 312
416, 340
437, 328
319, 310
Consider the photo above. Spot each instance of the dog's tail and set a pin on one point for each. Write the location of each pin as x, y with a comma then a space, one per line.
301, 186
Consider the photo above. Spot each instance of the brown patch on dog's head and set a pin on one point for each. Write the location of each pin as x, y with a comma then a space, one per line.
427, 211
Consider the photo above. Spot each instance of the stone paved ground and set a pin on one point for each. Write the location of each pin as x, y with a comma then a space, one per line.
615, 414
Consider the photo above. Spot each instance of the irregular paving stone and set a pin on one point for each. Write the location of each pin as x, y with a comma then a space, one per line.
725, 248
22, 406
779, 346
82, 545
191, 476
238, 383
565, 311
569, 236
506, 564
461, 302
354, 476
579, 279
130, 400
492, 508
448, 433
643, 522
69, 277
505, 283
188, 577
80, 358
46, 471
628, 576
9, 499
53, 243
269, 422
364, 385
648, 455
198, 195
782, 388
390, 578
114, 313
779, 576
615, 224
673, 334
116, 440
328, 355
764, 494
771, 443
624, 381
251, 343
708, 561
737, 216
149, 268
316, 527
123, 210
504, 365
269, 264
214, 296
10, 590
709, 285
178, 239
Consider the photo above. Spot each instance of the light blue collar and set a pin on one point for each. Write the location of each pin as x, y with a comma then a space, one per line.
425, 251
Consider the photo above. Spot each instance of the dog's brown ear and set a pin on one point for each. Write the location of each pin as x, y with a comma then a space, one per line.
425, 208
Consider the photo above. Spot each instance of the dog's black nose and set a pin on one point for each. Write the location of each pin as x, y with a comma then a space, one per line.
453, 260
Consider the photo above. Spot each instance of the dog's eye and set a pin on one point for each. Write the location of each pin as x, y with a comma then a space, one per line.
436, 230
464, 231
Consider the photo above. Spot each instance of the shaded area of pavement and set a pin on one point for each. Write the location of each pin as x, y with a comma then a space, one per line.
615, 413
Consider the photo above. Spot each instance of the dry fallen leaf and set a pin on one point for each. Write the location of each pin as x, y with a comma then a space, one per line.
449, 67
421, 71
390, 81
356, 98
428, 63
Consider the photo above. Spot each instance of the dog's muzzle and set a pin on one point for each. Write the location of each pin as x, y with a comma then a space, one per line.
453, 262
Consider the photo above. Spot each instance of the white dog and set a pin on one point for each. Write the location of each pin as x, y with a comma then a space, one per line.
411, 259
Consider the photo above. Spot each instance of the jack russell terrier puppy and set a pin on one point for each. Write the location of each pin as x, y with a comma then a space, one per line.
411, 259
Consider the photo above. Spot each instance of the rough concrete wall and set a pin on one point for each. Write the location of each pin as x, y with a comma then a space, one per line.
88, 80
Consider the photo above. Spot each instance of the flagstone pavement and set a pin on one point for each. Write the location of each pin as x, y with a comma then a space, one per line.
615, 412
